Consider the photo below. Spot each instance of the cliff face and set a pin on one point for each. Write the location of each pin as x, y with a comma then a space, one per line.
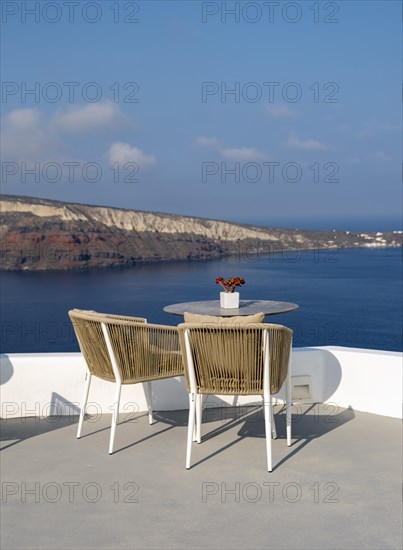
45, 234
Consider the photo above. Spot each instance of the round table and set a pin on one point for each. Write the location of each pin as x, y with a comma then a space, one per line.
246, 307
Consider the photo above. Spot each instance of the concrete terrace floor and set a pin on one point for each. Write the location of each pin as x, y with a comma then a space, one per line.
338, 486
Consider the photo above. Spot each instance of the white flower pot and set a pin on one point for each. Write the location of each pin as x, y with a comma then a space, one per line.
229, 300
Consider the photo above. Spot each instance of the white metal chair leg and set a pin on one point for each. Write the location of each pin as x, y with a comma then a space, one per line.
115, 415
200, 403
84, 403
149, 398
288, 405
273, 423
194, 438
268, 429
199, 415
192, 411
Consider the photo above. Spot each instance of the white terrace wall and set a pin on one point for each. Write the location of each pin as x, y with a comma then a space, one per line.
43, 384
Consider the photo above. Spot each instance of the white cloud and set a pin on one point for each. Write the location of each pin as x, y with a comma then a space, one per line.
242, 154
354, 160
25, 135
391, 126
122, 152
307, 145
280, 111
207, 142
24, 118
371, 128
93, 116
367, 131
382, 156
231, 153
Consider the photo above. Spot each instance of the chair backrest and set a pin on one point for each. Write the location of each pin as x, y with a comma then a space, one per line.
88, 329
111, 315
229, 360
144, 351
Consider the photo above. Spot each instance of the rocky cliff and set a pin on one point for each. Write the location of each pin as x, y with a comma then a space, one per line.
44, 234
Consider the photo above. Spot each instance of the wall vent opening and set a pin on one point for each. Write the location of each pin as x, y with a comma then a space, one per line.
301, 387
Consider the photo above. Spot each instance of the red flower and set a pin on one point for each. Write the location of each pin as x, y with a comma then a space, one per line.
231, 283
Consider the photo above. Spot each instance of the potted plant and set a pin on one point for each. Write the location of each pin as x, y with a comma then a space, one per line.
229, 299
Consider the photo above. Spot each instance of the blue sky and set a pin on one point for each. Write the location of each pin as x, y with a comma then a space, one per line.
140, 114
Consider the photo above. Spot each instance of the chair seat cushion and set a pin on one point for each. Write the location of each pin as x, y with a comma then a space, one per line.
236, 320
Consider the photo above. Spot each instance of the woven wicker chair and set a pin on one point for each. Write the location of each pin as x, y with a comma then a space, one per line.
125, 350
237, 360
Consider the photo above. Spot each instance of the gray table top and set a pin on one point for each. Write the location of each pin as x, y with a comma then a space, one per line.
246, 307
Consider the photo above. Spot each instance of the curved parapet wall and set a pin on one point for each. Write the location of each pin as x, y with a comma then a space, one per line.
46, 384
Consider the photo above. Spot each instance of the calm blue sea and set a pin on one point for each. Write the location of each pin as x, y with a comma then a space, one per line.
346, 297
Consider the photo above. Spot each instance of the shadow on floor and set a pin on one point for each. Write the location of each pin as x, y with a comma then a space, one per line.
51, 417
308, 422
